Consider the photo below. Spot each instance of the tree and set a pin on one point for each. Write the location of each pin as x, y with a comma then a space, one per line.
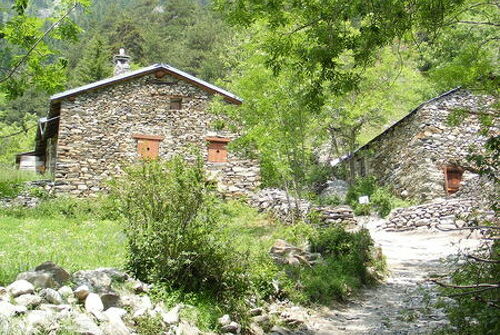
95, 63
31, 61
314, 37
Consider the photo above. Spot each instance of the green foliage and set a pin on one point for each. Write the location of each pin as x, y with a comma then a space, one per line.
95, 63
171, 221
475, 316
381, 199
22, 139
342, 271
13, 182
29, 58
456, 117
314, 38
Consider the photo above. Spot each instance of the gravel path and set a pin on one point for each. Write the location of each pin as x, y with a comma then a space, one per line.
404, 303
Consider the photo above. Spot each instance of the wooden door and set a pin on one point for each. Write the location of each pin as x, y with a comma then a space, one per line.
453, 179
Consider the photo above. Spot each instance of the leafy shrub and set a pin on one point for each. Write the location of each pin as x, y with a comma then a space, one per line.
477, 312
171, 221
382, 200
13, 181
346, 257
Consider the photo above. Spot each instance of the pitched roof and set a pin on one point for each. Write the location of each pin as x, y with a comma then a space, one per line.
144, 71
348, 156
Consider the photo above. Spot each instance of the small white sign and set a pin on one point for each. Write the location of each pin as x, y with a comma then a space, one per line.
364, 199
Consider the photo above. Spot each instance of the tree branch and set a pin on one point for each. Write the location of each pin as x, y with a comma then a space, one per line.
480, 23
485, 260
37, 42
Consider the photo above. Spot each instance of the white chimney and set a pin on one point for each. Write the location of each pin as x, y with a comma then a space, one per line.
121, 62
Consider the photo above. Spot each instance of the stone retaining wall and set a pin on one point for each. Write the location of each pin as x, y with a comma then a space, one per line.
442, 213
286, 208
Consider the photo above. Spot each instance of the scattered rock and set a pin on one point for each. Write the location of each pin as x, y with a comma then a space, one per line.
232, 327
284, 253
20, 287
65, 292
38, 279
95, 280
81, 292
93, 304
29, 301
114, 324
185, 328
51, 296
40, 320
224, 320
110, 299
172, 316
84, 325
4, 294
8, 310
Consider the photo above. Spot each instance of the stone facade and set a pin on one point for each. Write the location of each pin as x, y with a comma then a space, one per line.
411, 156
98, 129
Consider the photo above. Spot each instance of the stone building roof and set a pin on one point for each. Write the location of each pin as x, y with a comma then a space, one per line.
48, 127
145, 71
395, 124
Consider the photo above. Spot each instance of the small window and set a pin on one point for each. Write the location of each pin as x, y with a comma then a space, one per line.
175, 103
217, 149
148, 146
453, 178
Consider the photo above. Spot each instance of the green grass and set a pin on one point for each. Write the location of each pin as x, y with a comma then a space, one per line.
87, 234
72, 244
12, 181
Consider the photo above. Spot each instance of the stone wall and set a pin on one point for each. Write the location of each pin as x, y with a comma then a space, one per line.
285, 208
442, 213
409, 157
96, 127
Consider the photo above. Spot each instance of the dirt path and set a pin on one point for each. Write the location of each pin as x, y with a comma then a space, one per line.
404, 303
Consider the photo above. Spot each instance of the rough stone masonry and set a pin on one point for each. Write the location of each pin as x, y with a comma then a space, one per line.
98, 129
411, 156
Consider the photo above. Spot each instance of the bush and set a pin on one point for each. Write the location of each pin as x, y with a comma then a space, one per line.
346, 257
12, 181
171, 221
382, 200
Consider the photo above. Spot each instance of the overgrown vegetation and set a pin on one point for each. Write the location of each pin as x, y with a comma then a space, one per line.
381, 200
12, 182
165, 225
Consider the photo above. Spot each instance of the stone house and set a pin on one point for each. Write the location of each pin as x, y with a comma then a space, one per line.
424, 155
92, 131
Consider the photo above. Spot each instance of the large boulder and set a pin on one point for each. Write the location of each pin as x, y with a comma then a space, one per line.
93, 305
46, 275
51, 296
60, 275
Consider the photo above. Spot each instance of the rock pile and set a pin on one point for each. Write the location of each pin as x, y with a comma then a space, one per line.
283, 252
91, 302
442, 213
286, 207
